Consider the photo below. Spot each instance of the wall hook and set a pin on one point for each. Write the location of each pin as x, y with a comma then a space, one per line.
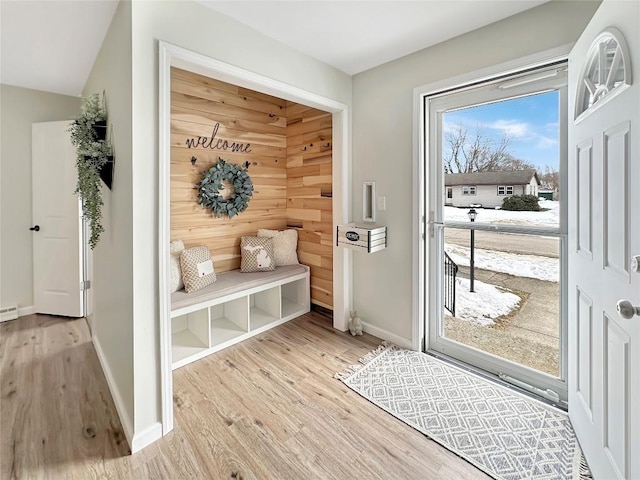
327, 145
193, 160
304, 149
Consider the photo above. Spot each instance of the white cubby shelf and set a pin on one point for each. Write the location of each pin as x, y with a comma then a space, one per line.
236, 307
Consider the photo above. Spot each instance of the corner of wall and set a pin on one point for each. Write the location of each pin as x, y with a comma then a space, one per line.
118, 400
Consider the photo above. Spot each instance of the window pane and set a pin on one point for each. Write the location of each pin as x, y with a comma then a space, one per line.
500, 150
513, 311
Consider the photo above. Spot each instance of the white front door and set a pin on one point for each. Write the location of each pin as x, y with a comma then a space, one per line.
604, 233
57, 242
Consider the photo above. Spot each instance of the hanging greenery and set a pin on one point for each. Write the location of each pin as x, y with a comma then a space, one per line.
221, 176
94, 151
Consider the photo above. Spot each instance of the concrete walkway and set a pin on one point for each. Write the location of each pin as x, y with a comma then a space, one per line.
529, 335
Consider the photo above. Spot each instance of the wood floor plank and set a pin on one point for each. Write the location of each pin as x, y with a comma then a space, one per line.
267, 408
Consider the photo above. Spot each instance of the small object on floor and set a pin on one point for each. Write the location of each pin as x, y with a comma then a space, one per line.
355, 324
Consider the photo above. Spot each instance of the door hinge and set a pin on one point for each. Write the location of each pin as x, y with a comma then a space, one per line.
85, 285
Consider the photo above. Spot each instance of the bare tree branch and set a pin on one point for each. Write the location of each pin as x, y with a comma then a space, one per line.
480, 154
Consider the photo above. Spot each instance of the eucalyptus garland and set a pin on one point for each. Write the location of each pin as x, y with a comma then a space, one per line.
92, 154
211, 185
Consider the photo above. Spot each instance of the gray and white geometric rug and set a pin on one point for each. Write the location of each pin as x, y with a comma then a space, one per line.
507, 435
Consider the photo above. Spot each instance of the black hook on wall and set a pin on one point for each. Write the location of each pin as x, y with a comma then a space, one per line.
193, 160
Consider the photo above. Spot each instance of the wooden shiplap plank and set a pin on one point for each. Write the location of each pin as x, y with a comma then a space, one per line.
289, 149
198, 103
309, 202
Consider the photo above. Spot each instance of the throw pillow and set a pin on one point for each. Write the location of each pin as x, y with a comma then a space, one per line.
257, 254
175, 249
197, 268
285, 244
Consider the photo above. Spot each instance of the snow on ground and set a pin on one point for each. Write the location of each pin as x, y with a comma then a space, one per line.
549, 218
483, 306
530, 266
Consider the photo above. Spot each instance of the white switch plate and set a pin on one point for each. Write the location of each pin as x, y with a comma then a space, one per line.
382, 203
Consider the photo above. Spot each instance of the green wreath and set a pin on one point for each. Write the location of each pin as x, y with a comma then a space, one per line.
212, 183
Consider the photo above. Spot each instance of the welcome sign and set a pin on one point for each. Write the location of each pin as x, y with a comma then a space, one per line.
214, 143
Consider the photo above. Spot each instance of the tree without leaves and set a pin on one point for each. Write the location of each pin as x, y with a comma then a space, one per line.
480, 153
550, 179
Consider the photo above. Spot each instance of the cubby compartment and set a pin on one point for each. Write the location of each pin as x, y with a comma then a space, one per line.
229, 320
212, 322
190, 334
264, 308
294, 297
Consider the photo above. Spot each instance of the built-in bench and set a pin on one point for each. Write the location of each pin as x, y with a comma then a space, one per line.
234, 308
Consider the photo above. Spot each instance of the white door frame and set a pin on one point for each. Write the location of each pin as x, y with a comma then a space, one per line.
174, 56
422, 203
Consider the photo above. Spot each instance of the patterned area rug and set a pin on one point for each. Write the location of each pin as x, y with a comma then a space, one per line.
505, 434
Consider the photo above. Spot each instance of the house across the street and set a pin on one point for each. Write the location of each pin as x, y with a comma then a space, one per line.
488, 189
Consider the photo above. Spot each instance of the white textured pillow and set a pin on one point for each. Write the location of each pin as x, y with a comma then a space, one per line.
285, 244
175, 249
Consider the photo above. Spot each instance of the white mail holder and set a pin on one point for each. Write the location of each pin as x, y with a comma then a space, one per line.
362, 238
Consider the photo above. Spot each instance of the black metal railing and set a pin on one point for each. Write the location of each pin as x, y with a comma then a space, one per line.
450, 272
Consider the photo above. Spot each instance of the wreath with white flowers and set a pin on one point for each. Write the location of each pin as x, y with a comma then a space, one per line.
213, 181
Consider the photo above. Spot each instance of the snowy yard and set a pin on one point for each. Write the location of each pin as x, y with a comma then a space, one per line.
548, 218
490, 302
530, 266
487, 303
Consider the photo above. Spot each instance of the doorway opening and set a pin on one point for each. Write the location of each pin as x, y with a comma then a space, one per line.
497, 251
173, 57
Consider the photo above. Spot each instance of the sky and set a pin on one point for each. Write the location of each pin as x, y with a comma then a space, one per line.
531, 123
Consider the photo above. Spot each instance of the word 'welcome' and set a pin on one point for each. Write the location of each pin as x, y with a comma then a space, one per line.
218, 144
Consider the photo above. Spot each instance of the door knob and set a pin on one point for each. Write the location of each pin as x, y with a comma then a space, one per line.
35, 229
626, 309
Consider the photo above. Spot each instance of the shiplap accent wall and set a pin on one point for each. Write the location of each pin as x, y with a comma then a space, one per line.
292, 185
309, 181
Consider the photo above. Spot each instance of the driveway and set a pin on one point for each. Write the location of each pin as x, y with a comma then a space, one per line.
529, 335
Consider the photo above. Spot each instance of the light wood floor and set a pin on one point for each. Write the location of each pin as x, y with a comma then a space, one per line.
268, 408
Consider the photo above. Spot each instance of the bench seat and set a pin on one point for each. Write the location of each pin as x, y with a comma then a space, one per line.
235, 281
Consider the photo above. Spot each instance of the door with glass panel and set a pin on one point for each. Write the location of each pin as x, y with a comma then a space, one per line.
496, 157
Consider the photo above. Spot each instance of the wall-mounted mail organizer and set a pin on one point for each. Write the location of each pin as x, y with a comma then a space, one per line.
362, 238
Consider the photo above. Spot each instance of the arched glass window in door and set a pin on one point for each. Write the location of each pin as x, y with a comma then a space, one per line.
606, 71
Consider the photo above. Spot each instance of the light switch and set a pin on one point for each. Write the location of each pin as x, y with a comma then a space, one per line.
382, 203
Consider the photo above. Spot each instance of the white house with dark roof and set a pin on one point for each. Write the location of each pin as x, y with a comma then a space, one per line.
488, 189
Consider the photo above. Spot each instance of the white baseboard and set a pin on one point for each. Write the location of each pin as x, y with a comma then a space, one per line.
146, 437
127, 424
11, 315
22, 311
385, 335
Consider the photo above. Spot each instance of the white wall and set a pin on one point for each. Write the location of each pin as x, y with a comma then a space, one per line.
383, 143
195, 27
20, 107
112, 323
486, 195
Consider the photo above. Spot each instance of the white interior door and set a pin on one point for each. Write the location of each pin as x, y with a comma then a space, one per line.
57, 242
604, 233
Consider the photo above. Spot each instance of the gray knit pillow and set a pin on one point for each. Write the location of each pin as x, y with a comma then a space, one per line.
257, 254
197, 268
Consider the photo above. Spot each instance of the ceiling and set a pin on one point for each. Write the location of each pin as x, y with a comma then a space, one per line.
354, 36
51, 45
